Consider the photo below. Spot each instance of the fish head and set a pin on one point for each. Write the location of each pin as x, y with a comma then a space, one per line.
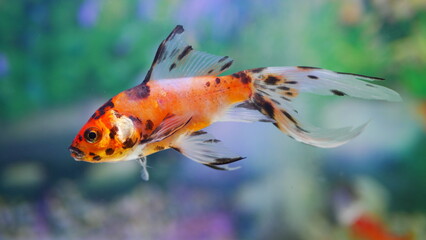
107, 136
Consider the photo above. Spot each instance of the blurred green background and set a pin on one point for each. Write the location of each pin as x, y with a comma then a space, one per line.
61, 59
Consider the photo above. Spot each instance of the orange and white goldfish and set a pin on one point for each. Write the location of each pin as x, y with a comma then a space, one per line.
361, 223
367, 227
182, 94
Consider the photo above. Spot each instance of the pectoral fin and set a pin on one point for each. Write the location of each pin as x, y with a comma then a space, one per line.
202, 147
170, 124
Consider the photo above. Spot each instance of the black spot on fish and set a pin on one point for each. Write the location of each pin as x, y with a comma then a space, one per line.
245, 78
214, 167
272, 80
149, 125
360, 75
91, 154
159, 54
266, 120
148, 76
97, 158
307, 68
291, 82
112, 132
301, 129
289, 93
101, 111
223, 59
185, 52
128, 143
221, 161
337, 92
275, 101
263, 92
227, 65
177, 30
211, 141
247, 105
289, 116
269, 109
284, 98
217, 80
109, 151
201, 132
135, 120
257, 70
80, 138
118, 115
264, 105
177, 149
312, 77
159, 148
208, 84
139, 92
172, 66
284, 88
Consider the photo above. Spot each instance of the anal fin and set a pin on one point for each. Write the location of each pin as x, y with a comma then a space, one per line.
202, 147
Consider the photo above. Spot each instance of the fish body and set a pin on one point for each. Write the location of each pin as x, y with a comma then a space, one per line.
182, 94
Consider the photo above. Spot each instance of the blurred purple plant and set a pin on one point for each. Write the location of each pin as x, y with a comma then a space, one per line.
88, 12
209, 226
4, 65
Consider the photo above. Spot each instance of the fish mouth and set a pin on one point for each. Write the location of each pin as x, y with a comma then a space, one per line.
76, 153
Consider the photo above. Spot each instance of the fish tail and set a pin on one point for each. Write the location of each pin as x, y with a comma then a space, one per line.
274, 89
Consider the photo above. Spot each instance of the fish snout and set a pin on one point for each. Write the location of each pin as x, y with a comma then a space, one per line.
76, 153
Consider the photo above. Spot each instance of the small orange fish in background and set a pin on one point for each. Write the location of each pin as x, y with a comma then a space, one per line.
366, 227
182, 94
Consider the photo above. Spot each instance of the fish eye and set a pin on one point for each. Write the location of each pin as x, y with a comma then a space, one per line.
92, 135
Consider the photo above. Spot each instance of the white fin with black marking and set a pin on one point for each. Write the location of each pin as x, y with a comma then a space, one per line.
276, 87
244, 112
176, 59
170, 124
202, 147
326, 82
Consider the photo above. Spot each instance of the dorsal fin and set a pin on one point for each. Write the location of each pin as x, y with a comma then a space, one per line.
175, 59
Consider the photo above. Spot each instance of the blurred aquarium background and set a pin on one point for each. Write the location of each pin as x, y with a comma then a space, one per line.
61, 59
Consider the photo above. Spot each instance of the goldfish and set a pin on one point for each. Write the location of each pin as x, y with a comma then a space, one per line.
360, 222
367, 227
182, 93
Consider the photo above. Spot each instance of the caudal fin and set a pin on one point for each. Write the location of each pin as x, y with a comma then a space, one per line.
276, 87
